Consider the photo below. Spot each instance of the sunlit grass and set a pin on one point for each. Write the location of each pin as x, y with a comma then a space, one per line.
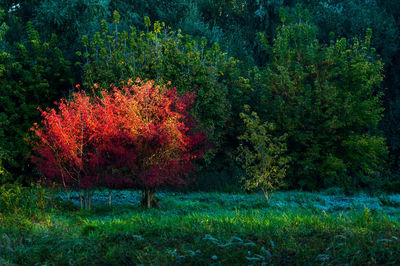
206, 228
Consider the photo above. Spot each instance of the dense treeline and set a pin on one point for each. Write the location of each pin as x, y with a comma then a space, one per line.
301, 94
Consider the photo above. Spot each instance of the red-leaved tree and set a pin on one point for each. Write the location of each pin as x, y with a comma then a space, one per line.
139, 136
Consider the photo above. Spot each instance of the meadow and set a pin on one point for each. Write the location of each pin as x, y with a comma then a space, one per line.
198, 228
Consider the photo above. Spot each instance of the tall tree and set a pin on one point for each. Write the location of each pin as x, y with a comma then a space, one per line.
349, 19
30, 76
325, 97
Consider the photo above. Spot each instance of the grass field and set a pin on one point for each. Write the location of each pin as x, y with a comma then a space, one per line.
203, 229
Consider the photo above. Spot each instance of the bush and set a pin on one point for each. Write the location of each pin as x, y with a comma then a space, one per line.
139, 136
16, 199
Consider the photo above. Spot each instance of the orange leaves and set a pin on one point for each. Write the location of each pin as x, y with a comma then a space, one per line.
142, 130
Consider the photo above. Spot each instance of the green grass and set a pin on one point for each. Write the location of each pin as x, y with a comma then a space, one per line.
206, 228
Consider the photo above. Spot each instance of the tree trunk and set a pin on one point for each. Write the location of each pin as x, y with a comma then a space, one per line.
85, 198
90, 199
265, 194
148, 199
80, 198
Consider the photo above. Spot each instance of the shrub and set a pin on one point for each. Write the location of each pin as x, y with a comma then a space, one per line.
139, 136
16, 199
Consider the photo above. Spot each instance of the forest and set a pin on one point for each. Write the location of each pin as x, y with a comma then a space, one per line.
199, 132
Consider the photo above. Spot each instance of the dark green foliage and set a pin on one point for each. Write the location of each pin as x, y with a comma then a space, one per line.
186, 15
32, 75
69, 20
390, 124
235, 25
243, 29
325, 98
350, 18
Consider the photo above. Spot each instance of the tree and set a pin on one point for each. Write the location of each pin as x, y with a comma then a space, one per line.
138, 136
349, 19
161, 54
325, 98
31, 75
262, 154
67, 142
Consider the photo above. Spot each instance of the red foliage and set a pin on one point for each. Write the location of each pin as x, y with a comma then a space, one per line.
140, 135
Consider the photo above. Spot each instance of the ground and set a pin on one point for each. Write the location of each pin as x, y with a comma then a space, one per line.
207, 228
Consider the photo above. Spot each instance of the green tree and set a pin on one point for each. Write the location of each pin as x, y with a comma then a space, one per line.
262, 154
32, 75
325, 98
349, 18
